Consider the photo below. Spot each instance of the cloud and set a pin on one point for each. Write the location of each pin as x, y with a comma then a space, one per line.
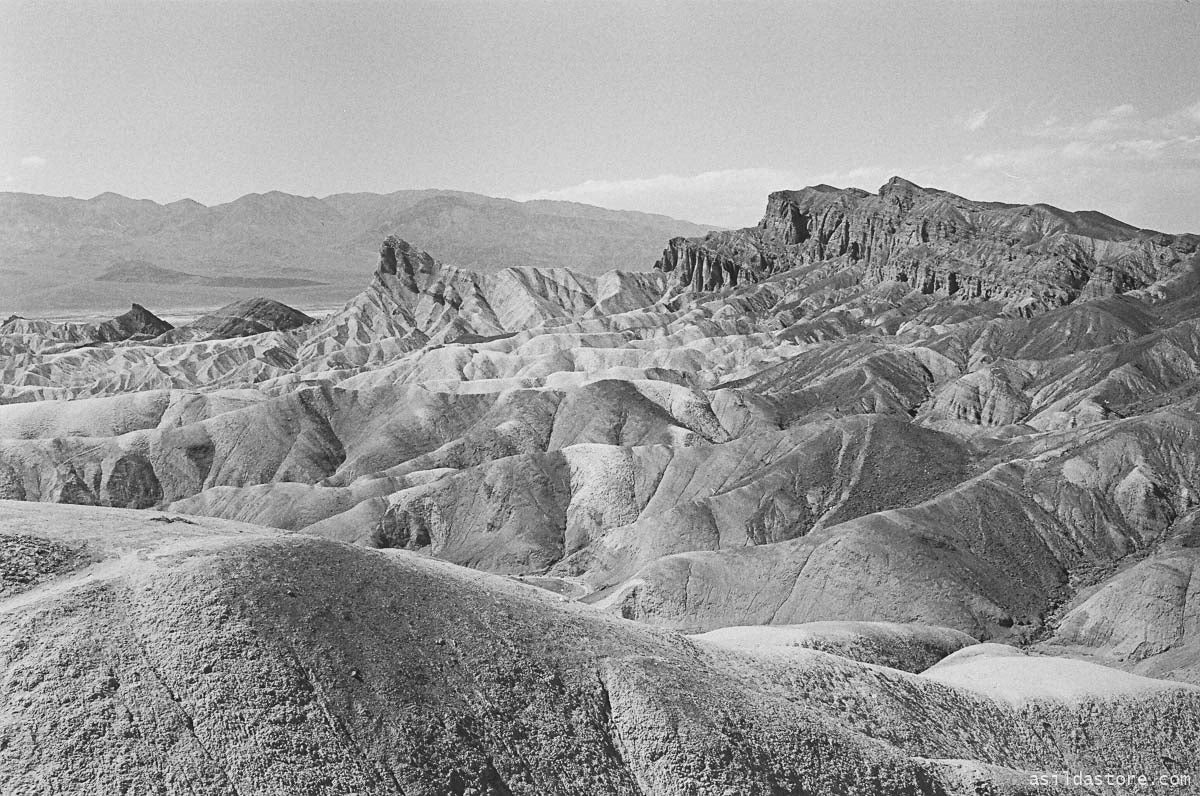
1012, 159
1139, 166
1126, 162
977, 119
1126, 127
33, 161
1121, 145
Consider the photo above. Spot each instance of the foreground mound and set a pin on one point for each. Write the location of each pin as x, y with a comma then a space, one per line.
214, 657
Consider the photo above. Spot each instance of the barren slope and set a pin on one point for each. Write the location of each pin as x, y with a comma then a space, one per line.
224, 658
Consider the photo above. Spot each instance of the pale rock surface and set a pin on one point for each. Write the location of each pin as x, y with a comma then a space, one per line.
908, 647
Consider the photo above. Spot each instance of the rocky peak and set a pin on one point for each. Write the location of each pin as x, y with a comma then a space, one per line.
413, 267
142, 315
901, 186
905, 194
137, 322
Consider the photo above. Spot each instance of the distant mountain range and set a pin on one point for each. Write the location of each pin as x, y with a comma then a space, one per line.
142, 272
65, 255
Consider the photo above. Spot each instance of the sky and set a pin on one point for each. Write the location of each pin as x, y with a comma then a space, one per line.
696, 110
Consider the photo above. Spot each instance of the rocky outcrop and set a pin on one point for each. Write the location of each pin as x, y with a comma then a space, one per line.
413, 295
704, 266
1027, 257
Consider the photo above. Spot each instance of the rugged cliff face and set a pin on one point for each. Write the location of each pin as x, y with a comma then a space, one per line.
1029, 258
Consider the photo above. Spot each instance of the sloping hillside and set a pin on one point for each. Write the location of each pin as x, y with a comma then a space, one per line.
220, 658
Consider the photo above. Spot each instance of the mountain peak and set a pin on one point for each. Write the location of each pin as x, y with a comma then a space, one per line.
109, 197
398, 257
899, 185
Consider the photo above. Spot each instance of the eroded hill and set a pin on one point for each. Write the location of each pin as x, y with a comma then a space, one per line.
156, 652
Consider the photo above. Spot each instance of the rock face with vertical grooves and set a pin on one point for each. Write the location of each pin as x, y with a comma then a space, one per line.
1027, 257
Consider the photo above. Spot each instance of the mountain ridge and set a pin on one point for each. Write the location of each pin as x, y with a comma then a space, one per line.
1027, 257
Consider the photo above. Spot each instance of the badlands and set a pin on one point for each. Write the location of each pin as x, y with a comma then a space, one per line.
893, 493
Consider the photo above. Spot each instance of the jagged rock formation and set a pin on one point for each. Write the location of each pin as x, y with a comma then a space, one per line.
819, 470
414, 292
1028, 258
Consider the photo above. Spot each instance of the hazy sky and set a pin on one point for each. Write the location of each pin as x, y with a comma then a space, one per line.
696, 110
